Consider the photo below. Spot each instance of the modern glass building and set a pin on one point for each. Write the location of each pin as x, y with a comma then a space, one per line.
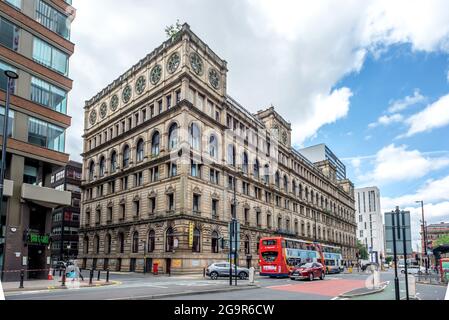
321, 152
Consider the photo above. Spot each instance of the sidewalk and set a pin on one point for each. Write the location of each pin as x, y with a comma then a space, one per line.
37, 285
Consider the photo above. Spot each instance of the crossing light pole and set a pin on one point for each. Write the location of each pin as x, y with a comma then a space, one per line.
424, 235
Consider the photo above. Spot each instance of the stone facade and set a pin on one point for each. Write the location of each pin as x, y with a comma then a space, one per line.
172, 109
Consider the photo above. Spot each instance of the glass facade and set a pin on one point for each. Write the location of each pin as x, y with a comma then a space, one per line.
52, 19
3, 78
46, 135
48, 95
10, 121
49, 56
15, 3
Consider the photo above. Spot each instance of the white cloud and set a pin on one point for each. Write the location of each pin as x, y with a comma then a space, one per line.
433, 116
289, 53
408, 101
394, 164
387, 120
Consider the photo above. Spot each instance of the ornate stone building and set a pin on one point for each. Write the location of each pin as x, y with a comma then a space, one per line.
164, 148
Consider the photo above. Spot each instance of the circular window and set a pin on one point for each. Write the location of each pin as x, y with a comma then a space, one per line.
197, 63
173, 62
141, 84
103, 109
93, 117
114, 102
214, 78
126, 94
156, 74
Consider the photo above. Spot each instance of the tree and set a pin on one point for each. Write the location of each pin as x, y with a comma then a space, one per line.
363, 253
173, 30
388, 259
443, 240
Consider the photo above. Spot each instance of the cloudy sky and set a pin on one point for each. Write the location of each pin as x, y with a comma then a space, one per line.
368, 78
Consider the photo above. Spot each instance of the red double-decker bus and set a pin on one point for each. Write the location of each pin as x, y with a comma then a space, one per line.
278, 256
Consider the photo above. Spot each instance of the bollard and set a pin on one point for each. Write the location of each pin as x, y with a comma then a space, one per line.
22, 275
91, 276
98, 277
60, 271
54, 272
107, 275
63, 277
204, 272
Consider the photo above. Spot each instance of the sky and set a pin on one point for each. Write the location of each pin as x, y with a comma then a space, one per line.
368, 78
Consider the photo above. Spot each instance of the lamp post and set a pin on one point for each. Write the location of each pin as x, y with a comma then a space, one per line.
424, 235
11, 76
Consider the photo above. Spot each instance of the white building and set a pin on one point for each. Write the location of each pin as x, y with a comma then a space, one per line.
370, 222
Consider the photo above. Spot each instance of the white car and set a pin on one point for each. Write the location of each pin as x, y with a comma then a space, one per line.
414, 270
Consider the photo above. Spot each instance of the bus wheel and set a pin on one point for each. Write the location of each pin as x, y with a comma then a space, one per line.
310, 276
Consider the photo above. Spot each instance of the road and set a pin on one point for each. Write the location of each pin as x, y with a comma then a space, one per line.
139, 286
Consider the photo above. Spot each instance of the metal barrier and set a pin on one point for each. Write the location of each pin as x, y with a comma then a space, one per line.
431, 278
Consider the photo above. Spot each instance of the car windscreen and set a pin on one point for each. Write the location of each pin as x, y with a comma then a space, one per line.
269, 256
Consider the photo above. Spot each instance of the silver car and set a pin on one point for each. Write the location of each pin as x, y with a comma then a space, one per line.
221, 269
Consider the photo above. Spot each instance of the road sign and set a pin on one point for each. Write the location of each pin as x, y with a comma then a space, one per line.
191, 227
399, 236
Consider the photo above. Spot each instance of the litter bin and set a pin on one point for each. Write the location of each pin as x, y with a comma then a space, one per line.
155, 268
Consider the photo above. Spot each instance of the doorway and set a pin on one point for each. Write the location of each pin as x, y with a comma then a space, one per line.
148, 265
36, 262
132, 265
168, 266
106, 264
118, 267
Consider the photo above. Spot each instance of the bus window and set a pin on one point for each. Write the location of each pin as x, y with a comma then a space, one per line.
272, 242
269, 256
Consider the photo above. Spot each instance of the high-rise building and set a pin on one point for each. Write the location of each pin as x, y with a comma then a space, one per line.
165, 147
321, 152
34, 43
370, 221
66, 220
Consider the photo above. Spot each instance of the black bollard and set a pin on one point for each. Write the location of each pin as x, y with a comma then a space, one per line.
204, 272
107, 275
63, 278
22, 276
98, 277
91, 276
54, 272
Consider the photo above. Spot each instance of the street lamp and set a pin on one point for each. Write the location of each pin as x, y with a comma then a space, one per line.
424, 235
11, 76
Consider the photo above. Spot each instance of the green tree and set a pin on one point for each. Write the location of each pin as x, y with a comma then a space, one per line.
173, 30
443, 240
363, 253
388, 259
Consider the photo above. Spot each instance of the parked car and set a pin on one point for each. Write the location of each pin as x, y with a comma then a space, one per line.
310, 271
414, 270
221, 269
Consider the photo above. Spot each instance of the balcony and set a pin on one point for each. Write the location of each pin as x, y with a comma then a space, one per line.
46, 197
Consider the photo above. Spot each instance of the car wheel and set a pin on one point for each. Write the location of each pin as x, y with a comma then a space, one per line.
322, 275
311, 277
243, 275
214, 275
403, 271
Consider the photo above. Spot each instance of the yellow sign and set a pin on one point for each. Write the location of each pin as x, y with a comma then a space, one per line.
176, 263
191, 226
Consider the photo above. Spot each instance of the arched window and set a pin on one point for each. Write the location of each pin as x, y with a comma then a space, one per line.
285, 184
139, 151
231, 155
97, 244
296, 227
135, 248
151, 241
213, 146
277, 179
173, 137
266, 177
279, 222
256, 169
196, 241
245, 162
155, 141
194, 135
294, 187
121, 243
86, 244
300, 191
102, 166
113, 161
307, 194
247, 246
169, 240
125, 156
91, 170
214, 242
287, 224
107, 244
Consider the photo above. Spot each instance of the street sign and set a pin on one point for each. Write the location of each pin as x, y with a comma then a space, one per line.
399, 236
191, 227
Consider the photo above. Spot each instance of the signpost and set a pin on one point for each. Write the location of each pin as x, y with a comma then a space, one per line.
191, 228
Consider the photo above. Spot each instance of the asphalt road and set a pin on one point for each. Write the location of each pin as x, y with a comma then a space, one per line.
139, 286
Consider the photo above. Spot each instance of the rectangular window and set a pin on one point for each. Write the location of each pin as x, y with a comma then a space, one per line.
196, 203
154, 174
171, 202
173, 169
49, 56
178, 96
144, 114
152, 111
15, 3
195, 169
10, 121
3, 79
46, 135
9, 34
160, 105
214, 207
213, 175
48, 95
52, 19
152, 205
168, 99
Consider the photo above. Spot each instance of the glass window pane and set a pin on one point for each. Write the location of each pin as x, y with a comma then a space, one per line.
52, 19
3, 78
10, 121
9, 34
48, 95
